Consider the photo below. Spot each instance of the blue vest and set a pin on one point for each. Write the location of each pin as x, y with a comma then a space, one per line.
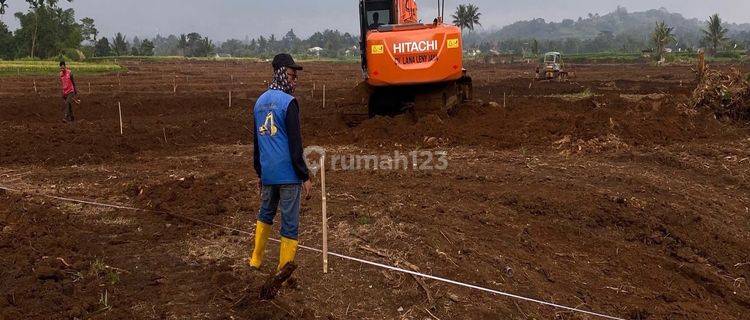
273, 142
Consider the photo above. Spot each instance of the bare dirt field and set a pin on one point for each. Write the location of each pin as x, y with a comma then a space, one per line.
603, 193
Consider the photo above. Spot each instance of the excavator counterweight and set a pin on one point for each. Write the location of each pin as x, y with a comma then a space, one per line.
407, 65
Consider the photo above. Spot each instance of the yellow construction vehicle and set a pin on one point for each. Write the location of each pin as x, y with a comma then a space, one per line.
552, 67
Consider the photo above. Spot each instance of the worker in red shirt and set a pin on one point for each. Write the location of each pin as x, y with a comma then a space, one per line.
69, 92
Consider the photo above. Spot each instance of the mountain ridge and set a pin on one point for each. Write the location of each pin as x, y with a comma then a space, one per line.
637, 25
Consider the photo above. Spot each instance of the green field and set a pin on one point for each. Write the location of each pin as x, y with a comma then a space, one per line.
21, 67
604, 57
683, 57
167, 58
297, 57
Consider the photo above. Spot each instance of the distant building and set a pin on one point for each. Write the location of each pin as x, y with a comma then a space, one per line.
315, 51
475, 52
647, 53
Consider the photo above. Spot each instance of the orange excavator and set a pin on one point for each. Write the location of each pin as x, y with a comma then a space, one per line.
407, 65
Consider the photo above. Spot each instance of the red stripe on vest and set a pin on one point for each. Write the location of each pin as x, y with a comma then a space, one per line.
67, 84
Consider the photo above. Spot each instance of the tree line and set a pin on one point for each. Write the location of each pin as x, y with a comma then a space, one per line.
618, 31
45, 30
329, 43
48, 31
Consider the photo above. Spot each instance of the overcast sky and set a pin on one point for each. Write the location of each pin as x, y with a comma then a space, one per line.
223, 19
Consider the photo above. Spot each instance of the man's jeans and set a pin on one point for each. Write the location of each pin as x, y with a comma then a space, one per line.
288, 197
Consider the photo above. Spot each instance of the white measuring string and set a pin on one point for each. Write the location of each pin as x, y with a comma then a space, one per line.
375, 264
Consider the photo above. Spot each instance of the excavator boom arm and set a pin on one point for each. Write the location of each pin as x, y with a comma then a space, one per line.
407, 11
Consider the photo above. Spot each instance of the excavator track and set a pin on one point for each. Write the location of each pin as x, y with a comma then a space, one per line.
441, 99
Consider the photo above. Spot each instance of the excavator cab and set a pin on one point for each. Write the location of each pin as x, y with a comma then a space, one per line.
378, 13
372, 15
553, 61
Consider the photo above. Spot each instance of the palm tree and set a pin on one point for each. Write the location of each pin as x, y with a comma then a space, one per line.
3, 5
182, 44
120, 45
715, 34
207, 46
662, 37
466, 16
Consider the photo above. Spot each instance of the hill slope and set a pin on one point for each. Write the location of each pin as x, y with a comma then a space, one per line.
637, 25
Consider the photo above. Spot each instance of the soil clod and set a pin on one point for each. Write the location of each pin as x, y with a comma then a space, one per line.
272, 286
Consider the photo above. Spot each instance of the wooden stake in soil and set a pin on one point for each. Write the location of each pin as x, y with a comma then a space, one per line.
89, 87
35, 91
119, 108
164, 130
230, 98
503, 100
174, 84
325, 213
324, 96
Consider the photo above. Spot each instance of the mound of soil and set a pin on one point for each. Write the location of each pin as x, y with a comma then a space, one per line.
597, 145
69, 262
727, 94
214, 195
530, 123
48, 274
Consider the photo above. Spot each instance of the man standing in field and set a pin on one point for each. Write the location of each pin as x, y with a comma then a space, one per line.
279, 161
69, 92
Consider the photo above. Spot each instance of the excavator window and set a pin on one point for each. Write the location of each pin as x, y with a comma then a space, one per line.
377, 18
368, 9
378, 13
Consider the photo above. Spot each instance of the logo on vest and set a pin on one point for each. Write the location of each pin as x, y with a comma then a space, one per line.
269, 126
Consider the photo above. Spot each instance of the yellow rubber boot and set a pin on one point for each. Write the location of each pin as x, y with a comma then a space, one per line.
262, 232
287, 252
